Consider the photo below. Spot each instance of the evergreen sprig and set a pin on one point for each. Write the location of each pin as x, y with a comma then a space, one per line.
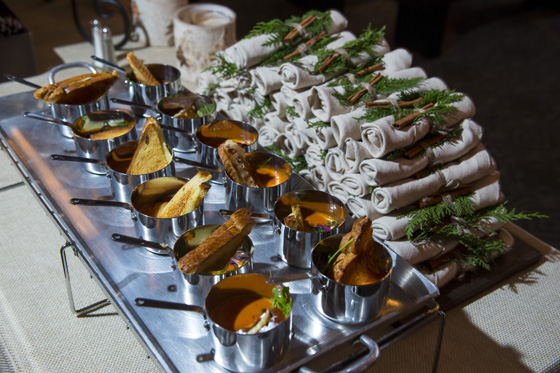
298, 163
318, 124
262, 108
365, 42
452, 136
433, 222
223, 69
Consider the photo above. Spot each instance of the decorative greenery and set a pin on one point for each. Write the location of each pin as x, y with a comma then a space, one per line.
365, 42
282, 300
261, 109
318, 124
450, 137
298, 163
223, 69
442, 101
434, 222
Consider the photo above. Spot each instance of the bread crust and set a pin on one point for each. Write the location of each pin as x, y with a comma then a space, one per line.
214, 253
188, 197
152, 153
235, 164
77, 90
141, 72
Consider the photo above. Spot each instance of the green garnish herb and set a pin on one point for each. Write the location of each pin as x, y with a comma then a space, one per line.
206, 109
282, 300
335, 255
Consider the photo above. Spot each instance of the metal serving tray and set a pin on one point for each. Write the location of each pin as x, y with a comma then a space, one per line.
174, 338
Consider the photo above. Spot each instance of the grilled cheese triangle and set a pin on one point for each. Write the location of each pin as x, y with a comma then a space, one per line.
152, 153
78, 90
214, 252
235, 164
141, 72
188, 197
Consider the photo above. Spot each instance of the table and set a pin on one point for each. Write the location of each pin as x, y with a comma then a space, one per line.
513, 326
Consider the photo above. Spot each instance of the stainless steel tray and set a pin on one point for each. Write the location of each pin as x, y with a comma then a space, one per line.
174, 338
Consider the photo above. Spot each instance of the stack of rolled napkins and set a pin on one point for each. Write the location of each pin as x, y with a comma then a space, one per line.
372, 130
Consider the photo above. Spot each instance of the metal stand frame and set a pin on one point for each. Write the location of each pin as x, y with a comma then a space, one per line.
82, 312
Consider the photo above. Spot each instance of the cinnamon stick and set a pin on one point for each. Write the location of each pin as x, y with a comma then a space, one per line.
328, 61
304, 23
374, 104
308, 43
433, 200
352, 99
407, 121
367, 70
413, 152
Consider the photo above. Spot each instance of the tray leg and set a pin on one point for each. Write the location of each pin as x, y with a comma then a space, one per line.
85, 310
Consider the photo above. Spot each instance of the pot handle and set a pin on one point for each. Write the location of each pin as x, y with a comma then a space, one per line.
19, 80
107, 63
60, 157
362, 364
175, 129
197, 164
97, 202
131, 103
259, 218
47, 119
54, 70
161, 304
163, 248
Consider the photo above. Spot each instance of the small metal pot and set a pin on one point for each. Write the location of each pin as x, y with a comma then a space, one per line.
351, 304
213, 134
179, 136
152, 94
236, 351
86, 147
69, 113
258, 200
194, 286
295, 246
145, 196
116, 164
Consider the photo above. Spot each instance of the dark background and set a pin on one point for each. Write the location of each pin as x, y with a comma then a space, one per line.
505, 54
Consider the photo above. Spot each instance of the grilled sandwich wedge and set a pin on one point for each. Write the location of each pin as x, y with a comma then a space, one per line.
78, 90
141, 72
214, 253
235, 164
188, 197
152, 153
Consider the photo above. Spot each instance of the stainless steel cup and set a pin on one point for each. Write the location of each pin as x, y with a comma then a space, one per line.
295, 246
258, 200
196, 286
351, 304
152, 94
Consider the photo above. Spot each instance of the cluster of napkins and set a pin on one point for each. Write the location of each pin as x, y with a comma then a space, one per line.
300, 112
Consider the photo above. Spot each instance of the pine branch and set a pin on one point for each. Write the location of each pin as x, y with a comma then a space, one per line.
261, 109
224, 68
298, 163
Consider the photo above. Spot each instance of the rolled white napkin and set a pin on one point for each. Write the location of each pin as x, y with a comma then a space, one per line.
381, 138
334, 188
251, 51
446, 272
274, 120
382, 171
300, 76
347, 126
266, 79
300, 103
288, 143
356, 153
412, 72
470, 168
325, 137
307, 176
324, 104
354, 184
289, 94
335, 161
314, 156
223, 99
237, 111
305, 136
360, 207
397, 59
207, 82
486, 192
267, 135
278, 101
323, 177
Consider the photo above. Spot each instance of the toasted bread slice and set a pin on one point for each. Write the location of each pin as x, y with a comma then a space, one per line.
235, 164
152, 153
188, 197
110, 133
295, 219
141, 72
78, 90
214, 253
